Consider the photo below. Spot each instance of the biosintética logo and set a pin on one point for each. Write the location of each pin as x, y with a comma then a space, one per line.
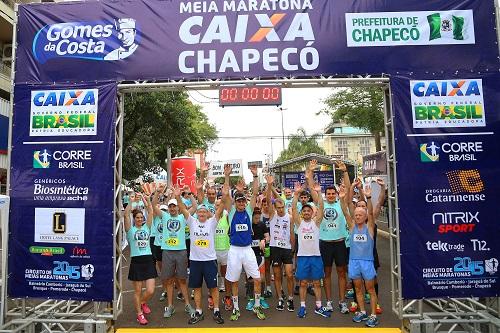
102, 40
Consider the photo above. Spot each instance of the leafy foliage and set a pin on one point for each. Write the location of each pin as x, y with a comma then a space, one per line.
300, 144
153, 122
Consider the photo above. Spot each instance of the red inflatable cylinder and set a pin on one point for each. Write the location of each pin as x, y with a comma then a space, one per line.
184, 172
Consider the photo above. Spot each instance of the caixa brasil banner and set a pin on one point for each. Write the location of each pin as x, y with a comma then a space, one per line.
447, 149
62, 180
181, 39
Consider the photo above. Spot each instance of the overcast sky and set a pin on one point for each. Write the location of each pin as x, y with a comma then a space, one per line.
300, 106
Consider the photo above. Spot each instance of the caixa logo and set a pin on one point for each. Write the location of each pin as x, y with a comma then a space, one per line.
98, 40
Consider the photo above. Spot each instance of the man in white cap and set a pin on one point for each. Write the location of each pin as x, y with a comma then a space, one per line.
174, 256
127, 33
203, 259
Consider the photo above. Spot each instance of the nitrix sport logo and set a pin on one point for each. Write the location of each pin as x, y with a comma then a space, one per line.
98, 40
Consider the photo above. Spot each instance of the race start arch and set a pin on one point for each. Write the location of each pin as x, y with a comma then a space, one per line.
438, 61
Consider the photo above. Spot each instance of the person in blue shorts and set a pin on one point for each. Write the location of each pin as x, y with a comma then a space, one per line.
361, 267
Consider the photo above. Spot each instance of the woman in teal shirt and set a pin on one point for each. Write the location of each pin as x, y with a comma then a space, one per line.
142, 266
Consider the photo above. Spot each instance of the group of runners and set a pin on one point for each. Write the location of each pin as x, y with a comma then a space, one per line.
299, 233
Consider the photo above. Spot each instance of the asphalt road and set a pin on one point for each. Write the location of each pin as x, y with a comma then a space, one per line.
274, 318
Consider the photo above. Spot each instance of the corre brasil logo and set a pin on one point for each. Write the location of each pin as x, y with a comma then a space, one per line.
99, 40
41, 159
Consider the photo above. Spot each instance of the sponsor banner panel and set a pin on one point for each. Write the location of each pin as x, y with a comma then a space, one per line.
375, 164
239, 38
61, 217
448, 187
324, 178
217, 168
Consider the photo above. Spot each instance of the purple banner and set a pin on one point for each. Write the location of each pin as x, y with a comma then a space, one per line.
225, 39
446, 133
62, 185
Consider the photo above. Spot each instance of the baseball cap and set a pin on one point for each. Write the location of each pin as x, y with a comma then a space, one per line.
163, 207
306, 205
239, 196
172, 202
202, 206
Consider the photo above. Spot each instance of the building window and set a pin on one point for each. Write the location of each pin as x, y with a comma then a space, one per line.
342, 148
364, 146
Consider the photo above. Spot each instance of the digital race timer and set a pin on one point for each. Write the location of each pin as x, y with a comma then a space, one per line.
250, 95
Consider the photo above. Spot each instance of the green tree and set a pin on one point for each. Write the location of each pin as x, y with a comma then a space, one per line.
158, 120
300, 144
360, 107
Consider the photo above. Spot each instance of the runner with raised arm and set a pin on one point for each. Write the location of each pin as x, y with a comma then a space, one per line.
361, 255
281, 246
309, 263
240, 253
142, 267
203, 259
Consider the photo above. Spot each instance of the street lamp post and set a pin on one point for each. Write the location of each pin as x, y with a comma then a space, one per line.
282, 127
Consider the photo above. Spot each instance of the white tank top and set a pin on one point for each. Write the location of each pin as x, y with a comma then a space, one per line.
279, 231
308, 233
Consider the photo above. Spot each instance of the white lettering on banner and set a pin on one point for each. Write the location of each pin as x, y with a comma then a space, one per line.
200, 30
410, 28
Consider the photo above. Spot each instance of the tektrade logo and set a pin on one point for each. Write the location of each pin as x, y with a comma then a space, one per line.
410, 28
454, 151
101, 41
65, 159
465, 186
60, 225
447, 103
63, 112
444, 246
290, 40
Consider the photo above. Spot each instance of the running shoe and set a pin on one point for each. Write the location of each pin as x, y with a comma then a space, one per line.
372, 321
359, 317
302, 312
281, 305
296, 290
228, 303
141, 319
250, 304
169, 311
145, 308
235, 315
163, 296
259, 312
367, 298
310, 290
180, 297
210, 303
267, 293
322, 311
218, 317
353, 307
349, 294
378, 310
264, 304
189, 310
329, 306
343, 307
289, 305
196, 318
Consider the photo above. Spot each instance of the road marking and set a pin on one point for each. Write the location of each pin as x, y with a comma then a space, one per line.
262, 330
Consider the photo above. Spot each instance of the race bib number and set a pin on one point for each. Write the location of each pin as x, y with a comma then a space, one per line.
203, 243
282, 244
241, 227
331, 225
360, 238
308, 236
255, 243
141, 244
172, 241
219, 231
